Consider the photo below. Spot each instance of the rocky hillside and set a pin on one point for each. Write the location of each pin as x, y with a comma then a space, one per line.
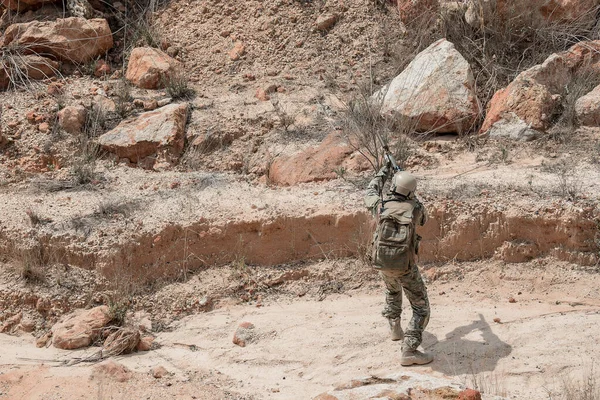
143, 142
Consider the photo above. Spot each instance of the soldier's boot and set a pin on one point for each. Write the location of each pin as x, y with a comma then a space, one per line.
396, 329
412, 357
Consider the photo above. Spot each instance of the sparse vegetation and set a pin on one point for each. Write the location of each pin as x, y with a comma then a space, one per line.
123, 100
112, 207
364, 125
568, 183
284, 118
178, 86
32, 261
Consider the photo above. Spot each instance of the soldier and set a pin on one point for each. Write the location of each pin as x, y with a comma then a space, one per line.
395, 245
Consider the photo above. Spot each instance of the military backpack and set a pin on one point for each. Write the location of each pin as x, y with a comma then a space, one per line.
395, 241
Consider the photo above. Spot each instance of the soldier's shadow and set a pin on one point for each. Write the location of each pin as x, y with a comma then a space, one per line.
456, 355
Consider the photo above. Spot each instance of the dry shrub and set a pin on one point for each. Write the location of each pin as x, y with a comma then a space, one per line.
32, 261
586, 388
121, 341
365, 129
177, 86
16, 66
566, 124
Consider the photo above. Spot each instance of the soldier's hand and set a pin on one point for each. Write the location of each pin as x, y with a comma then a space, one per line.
384, 171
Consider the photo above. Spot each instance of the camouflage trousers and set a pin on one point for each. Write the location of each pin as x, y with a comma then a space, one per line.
409, 281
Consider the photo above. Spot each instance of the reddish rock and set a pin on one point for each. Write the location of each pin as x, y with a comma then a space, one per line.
150, 68
27, 324
37, 67
81, 329
159, 372
4, 77
145, 343
72, 119
435, 92
76, 40
237, 52
55, 88
101, 69
44, 127
30, 116
244, 334
112, 370
43, 305
150, 105
311, 165
11, 322
587, 108
325, 396
469, 394
534, 96
161, 130
326, 21
262, 95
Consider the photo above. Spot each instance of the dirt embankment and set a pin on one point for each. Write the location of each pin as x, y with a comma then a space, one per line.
456, 230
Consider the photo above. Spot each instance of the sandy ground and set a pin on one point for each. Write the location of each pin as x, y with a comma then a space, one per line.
305, 346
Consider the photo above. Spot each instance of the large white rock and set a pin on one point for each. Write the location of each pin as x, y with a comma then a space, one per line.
434, 93
159, 131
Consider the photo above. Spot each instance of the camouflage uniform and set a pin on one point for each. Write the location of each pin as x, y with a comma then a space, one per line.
398, 279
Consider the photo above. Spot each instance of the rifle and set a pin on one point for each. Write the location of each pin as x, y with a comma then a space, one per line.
388, 156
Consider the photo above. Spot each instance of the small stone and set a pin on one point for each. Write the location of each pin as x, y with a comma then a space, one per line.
262, 95
54, 89
44, 127
145, 343
237, 52
244, 334
102, 68
326, 21
43, 340
159, 372
31, 116
72, 119
172, 51
512, 300
164, 102
113, 370
497, 320
150, 105
27, 324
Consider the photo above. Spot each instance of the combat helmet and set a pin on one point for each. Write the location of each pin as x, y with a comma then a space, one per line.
403, 183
